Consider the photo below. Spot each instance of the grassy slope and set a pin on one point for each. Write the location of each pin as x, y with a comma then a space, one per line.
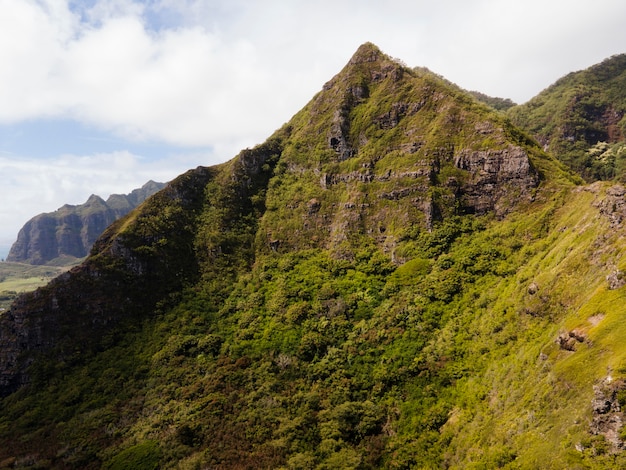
536, 402
16, 278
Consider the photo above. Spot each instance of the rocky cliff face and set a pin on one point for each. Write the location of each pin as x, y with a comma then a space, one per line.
70, 316
68, 233
383, 148
497, 178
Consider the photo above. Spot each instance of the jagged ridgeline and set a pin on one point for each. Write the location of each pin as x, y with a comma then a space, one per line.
397, 278
65, 236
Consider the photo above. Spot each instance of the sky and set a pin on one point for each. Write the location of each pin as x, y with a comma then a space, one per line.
100, 96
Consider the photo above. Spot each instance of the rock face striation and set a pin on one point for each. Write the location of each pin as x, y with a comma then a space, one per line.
69, 233
608, 417
494, 175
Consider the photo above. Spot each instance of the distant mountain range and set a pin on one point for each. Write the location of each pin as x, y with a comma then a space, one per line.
64, 236
399, 277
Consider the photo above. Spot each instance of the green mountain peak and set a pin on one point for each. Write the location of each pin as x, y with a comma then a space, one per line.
397, 278
366, 52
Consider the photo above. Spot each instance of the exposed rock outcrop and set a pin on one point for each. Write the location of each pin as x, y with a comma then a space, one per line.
71, 231
616, 279
613, 205
608, 417
498, 178
570, 340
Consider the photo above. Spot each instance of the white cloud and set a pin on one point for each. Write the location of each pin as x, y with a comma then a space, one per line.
29, 186
184, 86
236, 70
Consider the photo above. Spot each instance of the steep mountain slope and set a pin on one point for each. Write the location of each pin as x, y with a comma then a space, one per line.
66, 235
501, 104
397, 278
580, 119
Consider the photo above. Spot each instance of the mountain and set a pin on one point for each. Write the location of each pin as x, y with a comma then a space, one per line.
501, 104
66, 235
397, 278
580, 118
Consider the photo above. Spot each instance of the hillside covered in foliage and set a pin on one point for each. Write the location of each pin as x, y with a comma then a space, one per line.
63, 237
397, 278
581, 120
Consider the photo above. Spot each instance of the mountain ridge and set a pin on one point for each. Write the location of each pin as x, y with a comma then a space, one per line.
580, 118
66, 235
391, 280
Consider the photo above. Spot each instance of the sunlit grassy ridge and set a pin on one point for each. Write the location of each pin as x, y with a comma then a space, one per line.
298, 307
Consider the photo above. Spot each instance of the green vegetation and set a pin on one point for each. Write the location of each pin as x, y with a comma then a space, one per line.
578, 112
16, 278
331, 299
501, 104
317, 361
144, 456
